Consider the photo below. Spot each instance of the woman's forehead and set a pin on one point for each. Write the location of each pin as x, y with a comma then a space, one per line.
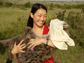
41, 11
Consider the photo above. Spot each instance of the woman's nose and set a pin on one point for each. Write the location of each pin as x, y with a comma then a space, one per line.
42, 18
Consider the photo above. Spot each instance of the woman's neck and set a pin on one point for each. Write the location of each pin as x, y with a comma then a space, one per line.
38, 30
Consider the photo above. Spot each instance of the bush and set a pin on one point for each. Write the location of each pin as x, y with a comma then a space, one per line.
60, 15
76, 25
78, 6
82, 10
51, 6
23, 8
58, 6
1, 3
65, 6
8, 4
28, 4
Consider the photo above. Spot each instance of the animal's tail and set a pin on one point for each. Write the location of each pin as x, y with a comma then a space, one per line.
9, 59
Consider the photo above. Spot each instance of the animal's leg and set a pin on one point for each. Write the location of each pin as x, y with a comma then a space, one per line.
6, 43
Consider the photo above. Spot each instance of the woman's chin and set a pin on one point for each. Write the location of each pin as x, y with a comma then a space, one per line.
41, 25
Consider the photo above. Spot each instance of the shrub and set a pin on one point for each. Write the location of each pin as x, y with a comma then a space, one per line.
51, 6
60, 15
76, 25
28, 4
1, 3
65, 6
58, 6
78, 6
8, 4
82, 10
23, 8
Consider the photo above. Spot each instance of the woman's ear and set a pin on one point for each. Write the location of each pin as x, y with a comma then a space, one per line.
31, 15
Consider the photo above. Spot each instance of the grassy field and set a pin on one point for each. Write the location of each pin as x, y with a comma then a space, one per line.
49, 2
8, 15
11, 16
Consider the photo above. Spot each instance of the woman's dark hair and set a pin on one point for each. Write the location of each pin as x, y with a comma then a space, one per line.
35, 7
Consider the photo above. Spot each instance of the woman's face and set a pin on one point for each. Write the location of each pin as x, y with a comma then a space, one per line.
39, 17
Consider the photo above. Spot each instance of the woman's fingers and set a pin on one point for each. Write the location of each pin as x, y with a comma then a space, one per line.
32, 46
29, 43
15, 44
22, 51
22, 45
20, 42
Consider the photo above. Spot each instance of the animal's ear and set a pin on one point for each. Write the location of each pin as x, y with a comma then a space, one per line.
66, 28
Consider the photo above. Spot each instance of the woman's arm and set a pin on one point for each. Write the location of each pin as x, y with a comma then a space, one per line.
38, 41
49, 42
14, 56
17, 49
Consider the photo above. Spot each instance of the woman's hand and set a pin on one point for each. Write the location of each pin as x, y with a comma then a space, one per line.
35, 42
18, 48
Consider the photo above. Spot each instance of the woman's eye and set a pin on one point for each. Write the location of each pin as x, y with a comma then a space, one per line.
45, 16
39, 15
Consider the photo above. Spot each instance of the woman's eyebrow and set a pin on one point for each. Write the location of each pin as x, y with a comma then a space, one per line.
41, 14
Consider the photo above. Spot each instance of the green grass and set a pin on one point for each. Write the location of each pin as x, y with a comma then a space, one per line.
9, 15
14, 20
72, 55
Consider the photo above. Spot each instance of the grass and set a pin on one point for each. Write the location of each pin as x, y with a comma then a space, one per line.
72, 55
11, 16
8, 15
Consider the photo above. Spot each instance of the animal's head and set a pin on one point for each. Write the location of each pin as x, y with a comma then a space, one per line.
56, 23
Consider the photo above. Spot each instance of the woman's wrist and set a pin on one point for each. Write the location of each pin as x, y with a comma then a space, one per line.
47, 40
12, 53
44, 40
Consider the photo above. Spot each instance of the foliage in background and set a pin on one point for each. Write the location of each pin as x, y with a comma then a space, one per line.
1, 3
28, 4
8, 4
82, 10
60, 15
15, 29
75, 21
50, 6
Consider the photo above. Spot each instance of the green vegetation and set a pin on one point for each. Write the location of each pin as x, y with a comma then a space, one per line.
13, 20
1, 3
28, 4
82, 10
8, 4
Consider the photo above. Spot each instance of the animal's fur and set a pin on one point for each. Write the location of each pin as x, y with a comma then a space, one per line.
39, 54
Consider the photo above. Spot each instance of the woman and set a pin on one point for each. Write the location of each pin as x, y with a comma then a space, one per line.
36, 21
